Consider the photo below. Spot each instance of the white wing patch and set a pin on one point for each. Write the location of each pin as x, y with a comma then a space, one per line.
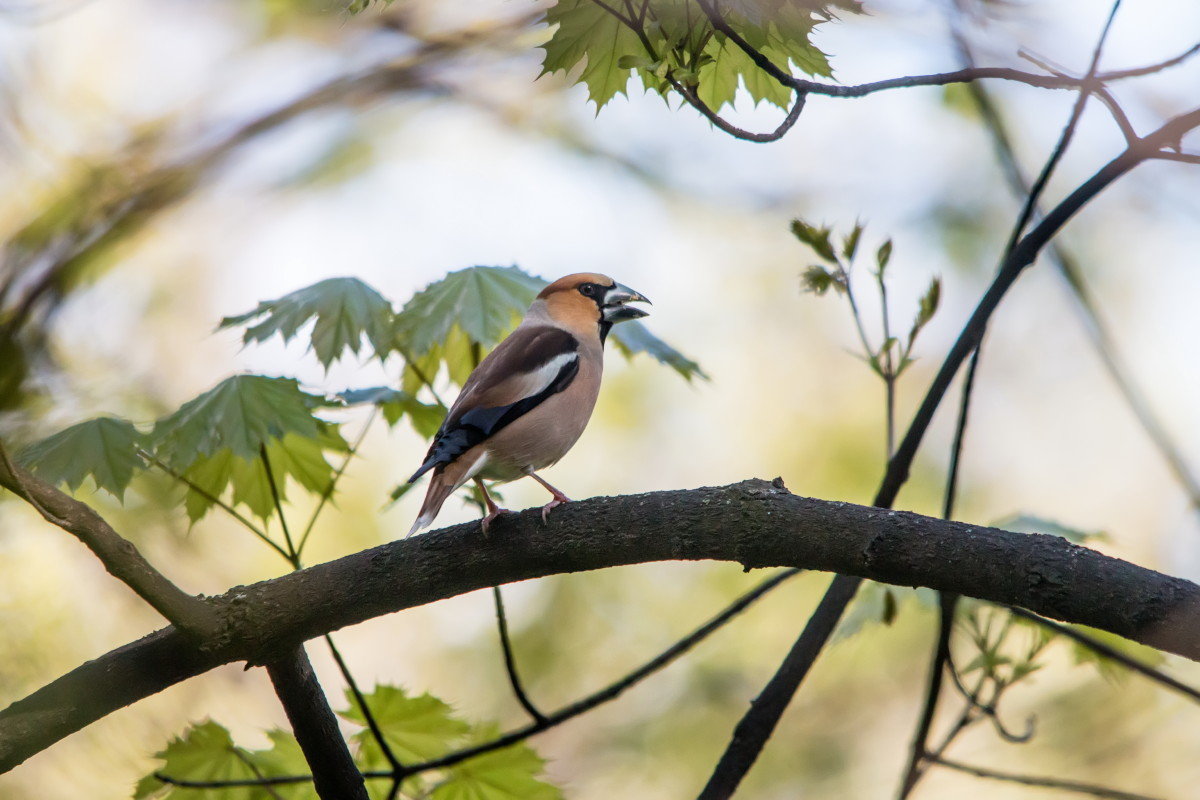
540, 379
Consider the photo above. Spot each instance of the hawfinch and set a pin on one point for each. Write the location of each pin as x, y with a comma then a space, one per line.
529, 400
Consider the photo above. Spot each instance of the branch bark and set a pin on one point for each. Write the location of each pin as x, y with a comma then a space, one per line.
335, 776
754, 523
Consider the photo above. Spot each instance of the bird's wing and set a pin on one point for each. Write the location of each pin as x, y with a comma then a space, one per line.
530, 365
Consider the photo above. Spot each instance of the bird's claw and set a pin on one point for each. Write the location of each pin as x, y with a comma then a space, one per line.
486, 521
555, 503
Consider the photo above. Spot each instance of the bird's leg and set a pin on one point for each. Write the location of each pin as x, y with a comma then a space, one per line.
493, 509
559, 497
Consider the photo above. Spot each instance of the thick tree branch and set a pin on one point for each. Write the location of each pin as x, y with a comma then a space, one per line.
753, 523
118, 555
335, 776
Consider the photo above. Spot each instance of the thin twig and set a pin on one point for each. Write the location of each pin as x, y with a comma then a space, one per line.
1152, 68
510, 662
1109, 652
1032, 780
240, 755
337, 476
292, 556
360, 698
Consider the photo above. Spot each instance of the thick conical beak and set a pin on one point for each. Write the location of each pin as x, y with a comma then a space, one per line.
615, 304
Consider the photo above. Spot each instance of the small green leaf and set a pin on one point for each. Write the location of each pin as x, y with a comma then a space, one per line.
816, 238
400, 490
283, 757
817, 279
875, 603
633, 337
105, 448
882, 256
850, 243
416, 728
506, 774
345, 309
927, 307
584, 32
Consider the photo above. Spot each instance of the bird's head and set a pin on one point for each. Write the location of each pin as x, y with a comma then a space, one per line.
588, 298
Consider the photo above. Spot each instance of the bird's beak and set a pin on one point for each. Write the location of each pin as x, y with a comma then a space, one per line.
615, 304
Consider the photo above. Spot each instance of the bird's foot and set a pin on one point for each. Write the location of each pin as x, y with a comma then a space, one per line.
559, 499
491, 515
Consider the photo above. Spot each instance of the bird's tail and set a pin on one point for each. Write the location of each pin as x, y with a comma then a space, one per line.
440, 487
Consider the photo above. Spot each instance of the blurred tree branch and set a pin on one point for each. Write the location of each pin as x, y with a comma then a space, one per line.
110, 202
770, 527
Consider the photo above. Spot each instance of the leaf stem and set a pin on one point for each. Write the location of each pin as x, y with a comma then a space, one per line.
292, 556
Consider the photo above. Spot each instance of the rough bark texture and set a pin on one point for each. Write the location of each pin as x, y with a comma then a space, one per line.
755, 523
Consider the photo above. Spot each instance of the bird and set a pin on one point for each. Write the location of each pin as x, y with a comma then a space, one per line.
527, 403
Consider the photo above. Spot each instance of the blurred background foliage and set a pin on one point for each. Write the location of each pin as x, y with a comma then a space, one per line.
171, 164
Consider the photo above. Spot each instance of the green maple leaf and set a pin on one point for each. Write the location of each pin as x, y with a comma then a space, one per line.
676, 41
205, 752
585, 32
633, 337
415, 728
345, 310
303, 460
506, 774
216, 441
284, 757
240, 414
482, 302
105, 449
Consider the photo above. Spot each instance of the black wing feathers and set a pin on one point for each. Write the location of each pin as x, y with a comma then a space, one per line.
462, 431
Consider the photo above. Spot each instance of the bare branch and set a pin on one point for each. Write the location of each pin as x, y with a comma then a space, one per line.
1031, 780
716, 119
1152, 68
754, 523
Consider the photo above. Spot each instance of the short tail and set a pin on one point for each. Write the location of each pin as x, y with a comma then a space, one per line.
440, 487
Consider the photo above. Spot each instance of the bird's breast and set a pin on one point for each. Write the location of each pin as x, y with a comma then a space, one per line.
544, 435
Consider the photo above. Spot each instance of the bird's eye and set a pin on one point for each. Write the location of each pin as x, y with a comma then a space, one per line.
587, 290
